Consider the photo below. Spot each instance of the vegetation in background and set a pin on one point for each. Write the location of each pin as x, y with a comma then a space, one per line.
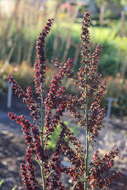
18, 36
114, 47
116, 86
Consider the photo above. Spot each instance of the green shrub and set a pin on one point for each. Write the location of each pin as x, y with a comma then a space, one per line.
117, 88
114, 47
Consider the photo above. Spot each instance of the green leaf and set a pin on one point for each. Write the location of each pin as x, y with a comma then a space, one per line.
1, 182
14, 188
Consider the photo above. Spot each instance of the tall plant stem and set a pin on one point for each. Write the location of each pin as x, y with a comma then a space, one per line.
85, 74
43, 177
86, 143
42, 129
86, 159
87, 131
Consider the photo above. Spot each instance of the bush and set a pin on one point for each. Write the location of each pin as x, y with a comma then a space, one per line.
117, 88
22, 73
86, 170
114, 47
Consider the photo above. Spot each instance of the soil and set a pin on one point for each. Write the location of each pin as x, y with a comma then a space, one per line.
11, 154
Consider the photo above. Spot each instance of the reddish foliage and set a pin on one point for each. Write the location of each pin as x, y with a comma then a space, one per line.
91, 90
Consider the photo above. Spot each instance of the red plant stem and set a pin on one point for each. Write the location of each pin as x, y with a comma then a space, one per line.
42, 140
87, 135
87, 154
86, 60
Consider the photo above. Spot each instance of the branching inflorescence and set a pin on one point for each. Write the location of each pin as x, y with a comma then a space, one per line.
47, 111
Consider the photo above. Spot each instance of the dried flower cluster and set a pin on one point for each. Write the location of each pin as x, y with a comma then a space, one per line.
100, 174
47, 111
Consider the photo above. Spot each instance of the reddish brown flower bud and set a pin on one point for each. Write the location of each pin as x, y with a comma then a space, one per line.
39, 67
17, 88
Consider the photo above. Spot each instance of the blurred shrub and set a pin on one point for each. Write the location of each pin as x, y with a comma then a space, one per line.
117, 88
110, 59
114, 47
22, 73
113, 59
67, 40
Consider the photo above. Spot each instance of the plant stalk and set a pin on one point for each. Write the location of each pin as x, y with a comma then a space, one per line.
87, 134
86, 159
87, 146
42, 128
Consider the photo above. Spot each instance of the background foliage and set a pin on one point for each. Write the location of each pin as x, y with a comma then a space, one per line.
109, 29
